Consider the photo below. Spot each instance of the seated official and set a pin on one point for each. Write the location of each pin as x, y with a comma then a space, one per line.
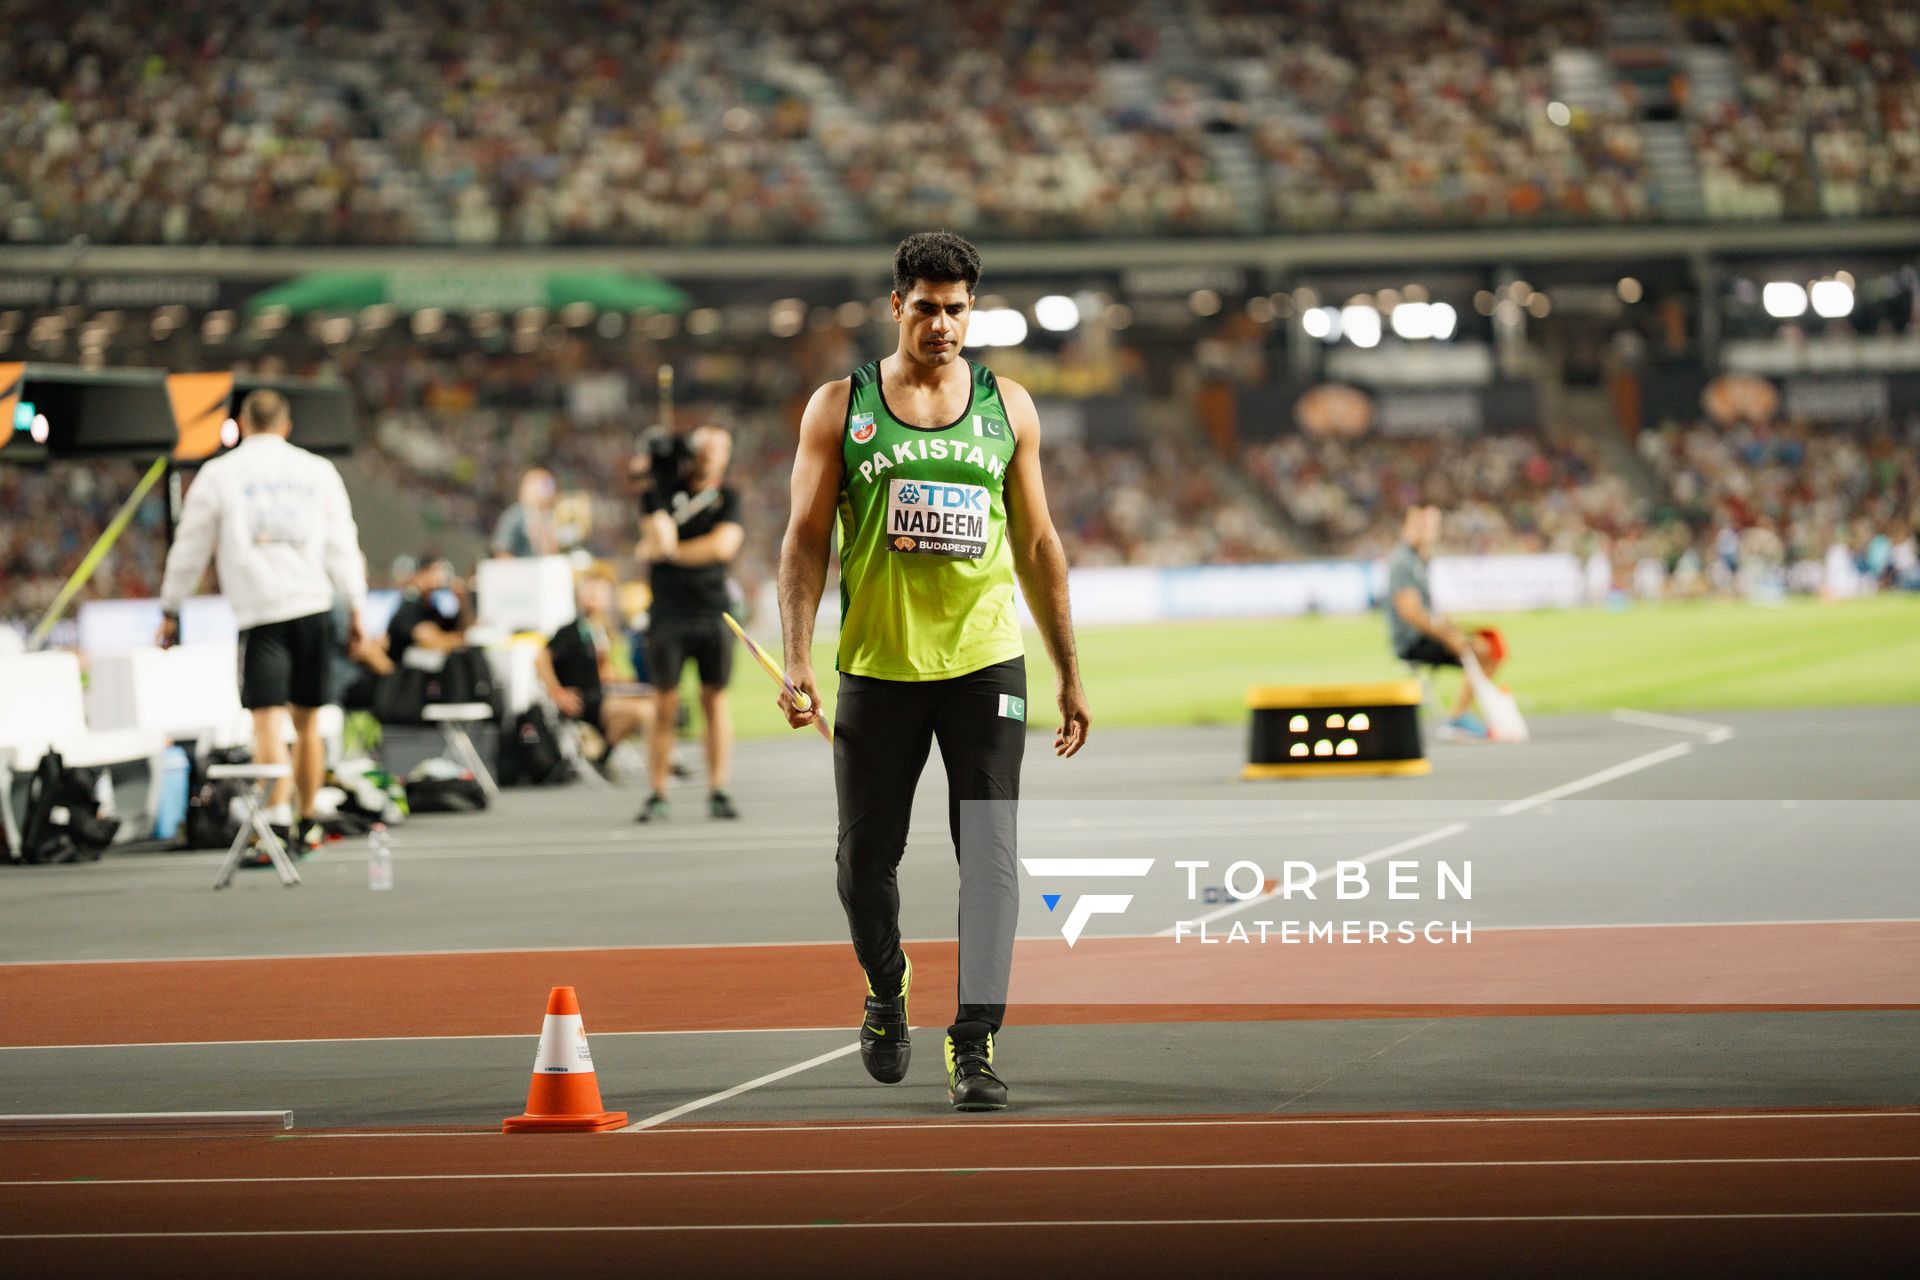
585, 657
359, 662
1420, 635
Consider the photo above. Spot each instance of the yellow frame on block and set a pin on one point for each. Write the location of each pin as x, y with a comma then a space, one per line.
1289, 697
1340, 768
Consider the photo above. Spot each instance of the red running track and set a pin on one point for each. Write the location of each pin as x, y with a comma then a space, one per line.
1759, 1193
760, 987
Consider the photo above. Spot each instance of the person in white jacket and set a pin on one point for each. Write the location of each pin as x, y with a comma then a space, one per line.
276, 522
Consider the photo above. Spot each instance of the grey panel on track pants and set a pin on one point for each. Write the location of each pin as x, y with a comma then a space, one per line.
883, 730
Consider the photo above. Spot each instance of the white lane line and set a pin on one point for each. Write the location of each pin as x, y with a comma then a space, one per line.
830, 1128
480, 852
436, 951
1592, 780
167, 1122
1322, 873
1258, 1122
1713, 733
794, 1070
589, 844
1301, 1166
971, 1225
528, 1036
1598, 778
1691, 924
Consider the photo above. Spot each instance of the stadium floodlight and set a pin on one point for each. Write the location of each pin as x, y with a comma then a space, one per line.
1057, 313
1361, 325
1413, 321
1784, 299
1832, 299
1560, 114
1322, 323
997, 327
1441, 319
786, 317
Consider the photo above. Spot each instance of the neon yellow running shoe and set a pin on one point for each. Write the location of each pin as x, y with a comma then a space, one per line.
885, 1046
971, 1082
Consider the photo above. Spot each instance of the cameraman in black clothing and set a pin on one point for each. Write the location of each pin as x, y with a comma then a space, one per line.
690, 531
431, 613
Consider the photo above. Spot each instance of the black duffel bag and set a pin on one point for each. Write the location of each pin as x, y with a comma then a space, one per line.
403, 696
63, 815
210, 821
530, 752
465, 677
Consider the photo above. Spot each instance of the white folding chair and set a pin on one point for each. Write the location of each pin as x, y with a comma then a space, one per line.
256, 824
453, 719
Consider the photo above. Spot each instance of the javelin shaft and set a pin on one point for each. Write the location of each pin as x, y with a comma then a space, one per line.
101, 546
772, 668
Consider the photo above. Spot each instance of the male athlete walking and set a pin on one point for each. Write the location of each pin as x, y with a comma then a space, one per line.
932, 467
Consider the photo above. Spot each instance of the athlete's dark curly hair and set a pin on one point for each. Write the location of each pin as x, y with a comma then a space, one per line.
937, 257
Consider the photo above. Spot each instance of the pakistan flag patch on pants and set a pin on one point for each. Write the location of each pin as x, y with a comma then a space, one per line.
1013, 708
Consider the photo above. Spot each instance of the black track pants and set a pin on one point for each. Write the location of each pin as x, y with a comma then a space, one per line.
882, 731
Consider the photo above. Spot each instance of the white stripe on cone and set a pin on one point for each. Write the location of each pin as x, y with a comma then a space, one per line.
563, 1047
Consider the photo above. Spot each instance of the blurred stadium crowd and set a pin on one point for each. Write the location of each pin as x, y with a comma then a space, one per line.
470, 122
1704, 507
584, 121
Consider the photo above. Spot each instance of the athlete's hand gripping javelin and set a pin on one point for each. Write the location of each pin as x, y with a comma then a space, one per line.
793, 698
803, 682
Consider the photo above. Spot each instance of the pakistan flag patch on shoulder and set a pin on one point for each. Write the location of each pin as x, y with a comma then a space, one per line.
1013, 708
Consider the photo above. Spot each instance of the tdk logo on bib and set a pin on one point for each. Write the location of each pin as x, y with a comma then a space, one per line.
930, 517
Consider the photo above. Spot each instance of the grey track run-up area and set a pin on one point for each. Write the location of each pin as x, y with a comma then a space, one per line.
1794, 816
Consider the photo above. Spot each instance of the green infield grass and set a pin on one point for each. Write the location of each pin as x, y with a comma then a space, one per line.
1705, 656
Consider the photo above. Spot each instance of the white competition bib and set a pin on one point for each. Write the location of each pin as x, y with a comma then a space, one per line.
934, 517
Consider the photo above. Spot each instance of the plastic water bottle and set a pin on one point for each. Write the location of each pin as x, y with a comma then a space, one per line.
379, 858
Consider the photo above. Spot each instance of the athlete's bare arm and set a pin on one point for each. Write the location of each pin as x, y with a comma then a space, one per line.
1041, 564
817, 471
1406, 603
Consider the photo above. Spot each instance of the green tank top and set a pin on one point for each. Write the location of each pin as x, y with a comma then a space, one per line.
926, 576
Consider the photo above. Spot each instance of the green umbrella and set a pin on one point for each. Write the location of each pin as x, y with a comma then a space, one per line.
410, 290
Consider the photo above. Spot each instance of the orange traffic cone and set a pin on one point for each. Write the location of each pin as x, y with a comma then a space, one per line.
564, 1097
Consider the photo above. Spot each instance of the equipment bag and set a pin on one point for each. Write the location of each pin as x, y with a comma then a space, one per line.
401, 696
530, 751
464, 677
441, 786
63, 815
212, 806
